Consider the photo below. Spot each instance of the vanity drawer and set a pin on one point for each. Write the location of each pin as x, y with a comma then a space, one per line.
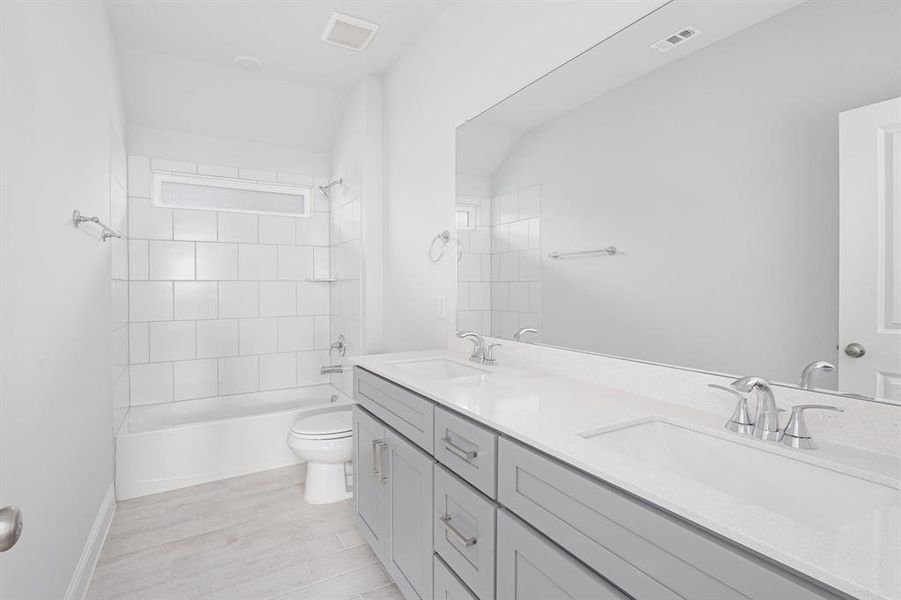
529, 567
467, 449
408, 413
464, 532
643, 550
447, 585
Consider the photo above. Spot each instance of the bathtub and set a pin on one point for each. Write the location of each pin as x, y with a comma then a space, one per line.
178, 444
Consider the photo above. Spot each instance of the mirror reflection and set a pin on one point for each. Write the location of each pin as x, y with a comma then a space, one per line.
716, 187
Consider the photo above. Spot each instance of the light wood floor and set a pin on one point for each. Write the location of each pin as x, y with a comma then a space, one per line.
248, 538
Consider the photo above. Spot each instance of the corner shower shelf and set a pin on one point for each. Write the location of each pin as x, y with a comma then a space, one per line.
320, 279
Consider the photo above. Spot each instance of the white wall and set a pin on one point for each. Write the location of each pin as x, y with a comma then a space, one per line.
437, 84
356, 225
169, 92
722, 196
58, 97
230, 152
219, 302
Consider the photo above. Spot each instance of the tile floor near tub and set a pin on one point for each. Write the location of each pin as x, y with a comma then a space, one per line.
247, 538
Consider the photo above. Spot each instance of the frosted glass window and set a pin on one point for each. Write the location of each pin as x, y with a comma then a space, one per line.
230, 195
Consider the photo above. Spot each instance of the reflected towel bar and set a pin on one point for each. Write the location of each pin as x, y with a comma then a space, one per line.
108, 232
609, 251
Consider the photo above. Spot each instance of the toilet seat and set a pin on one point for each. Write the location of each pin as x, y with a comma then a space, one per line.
329, 425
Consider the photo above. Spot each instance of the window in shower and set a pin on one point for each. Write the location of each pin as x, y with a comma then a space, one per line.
466, 216
179, 190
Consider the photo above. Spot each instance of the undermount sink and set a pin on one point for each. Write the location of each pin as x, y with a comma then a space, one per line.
808, 493
438, 368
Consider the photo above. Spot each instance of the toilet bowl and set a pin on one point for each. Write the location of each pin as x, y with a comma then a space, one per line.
324, 440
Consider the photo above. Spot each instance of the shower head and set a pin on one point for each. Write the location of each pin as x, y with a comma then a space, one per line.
326, 189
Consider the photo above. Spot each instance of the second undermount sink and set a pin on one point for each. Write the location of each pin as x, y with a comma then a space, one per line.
438, 368
807, 493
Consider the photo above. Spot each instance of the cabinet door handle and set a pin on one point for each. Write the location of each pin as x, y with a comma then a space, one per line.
466, 541
455, 449
383, 475
374, 459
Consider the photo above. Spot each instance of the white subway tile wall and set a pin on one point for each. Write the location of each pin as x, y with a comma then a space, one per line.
499, 273
218, 303
474, 268
343, 263
515, 267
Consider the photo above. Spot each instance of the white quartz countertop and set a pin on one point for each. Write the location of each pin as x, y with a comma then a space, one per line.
861, 556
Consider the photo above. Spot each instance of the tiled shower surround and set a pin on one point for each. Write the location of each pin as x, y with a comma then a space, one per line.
220, 302
499, 274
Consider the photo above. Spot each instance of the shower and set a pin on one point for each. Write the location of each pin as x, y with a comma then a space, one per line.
326, 189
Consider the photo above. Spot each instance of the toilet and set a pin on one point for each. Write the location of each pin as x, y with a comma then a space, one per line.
324, 440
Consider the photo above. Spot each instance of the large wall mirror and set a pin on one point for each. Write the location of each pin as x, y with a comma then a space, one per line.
716, 187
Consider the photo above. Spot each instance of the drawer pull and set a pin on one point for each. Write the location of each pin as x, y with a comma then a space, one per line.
466, 541
455, 449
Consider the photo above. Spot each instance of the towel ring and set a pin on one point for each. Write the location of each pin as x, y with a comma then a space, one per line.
443, 237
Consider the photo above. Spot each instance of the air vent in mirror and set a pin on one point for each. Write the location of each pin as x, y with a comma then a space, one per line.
675, 38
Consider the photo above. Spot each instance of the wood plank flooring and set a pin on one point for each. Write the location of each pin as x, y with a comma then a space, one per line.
247, 538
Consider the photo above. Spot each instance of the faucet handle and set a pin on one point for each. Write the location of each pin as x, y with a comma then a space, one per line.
796, 433
740, 421
489, 354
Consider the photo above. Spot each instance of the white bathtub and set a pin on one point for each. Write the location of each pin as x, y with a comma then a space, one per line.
178, 444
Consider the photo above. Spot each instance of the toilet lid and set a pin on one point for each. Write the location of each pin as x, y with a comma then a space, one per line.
326, 423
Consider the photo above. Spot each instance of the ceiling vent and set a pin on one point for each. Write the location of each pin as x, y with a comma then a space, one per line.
676, 38
349, 32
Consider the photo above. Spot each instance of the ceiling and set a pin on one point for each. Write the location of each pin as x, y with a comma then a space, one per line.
605, 67
282, 34
178, 71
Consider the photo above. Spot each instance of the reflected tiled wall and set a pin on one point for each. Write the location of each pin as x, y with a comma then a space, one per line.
118, 211
219, 302
515, 264
474, 269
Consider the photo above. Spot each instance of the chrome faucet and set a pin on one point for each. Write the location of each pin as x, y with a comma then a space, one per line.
481, 353
766, 423
811, 371
478, 347
517, 337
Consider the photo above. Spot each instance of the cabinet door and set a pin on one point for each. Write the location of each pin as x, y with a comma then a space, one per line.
370, 492
529, 567
409, 482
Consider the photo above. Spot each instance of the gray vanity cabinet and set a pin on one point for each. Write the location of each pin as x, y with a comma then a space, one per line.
643, 550
507, 522
393, 506
370, 493
409, 480
529, 567
447, 585
464, 532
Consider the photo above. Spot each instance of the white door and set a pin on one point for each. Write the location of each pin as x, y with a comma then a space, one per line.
870, 250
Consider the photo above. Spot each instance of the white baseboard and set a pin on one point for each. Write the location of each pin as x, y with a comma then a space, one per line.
81, 578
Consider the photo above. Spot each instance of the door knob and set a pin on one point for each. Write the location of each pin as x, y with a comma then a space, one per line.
10, 527
855, 350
